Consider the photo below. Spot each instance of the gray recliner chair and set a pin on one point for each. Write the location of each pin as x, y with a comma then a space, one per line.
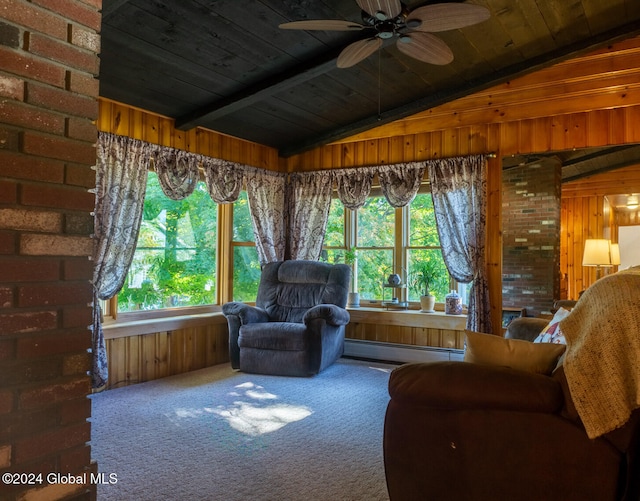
297, 326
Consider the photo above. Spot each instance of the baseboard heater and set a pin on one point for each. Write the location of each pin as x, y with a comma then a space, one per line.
398, 352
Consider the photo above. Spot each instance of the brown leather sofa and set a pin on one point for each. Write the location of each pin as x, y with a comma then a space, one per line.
463, 431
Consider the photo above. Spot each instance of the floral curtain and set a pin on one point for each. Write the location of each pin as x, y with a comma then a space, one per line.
223, 179
401, 182
121, 179
267, 197
309, 201
353, 185
177, 172
459, 190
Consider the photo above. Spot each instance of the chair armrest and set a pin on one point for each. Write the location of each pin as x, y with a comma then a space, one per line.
331, 313
463, 385
248, 314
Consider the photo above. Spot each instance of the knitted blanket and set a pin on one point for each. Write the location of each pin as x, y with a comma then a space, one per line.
602, 361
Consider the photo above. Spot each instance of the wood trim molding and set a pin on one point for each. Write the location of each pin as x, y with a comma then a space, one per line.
119, 328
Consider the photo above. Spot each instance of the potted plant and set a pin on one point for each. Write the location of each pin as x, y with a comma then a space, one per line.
350, 257
424, 274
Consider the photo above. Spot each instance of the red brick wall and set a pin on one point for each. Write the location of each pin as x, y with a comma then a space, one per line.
531, 236
48, 106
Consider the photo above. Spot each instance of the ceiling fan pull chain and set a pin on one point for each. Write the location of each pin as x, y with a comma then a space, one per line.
379, 83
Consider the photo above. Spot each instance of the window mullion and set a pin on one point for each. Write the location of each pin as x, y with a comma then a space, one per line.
224, 270
400, 244
351, 240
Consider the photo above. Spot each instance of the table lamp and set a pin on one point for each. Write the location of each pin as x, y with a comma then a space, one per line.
615, 254
597, 253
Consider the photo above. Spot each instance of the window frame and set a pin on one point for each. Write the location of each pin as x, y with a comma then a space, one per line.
111, 312
225, 255
400, 247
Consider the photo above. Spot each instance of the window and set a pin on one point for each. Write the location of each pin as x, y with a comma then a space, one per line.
175, 262
175, 259
423, 248
386, 241
246, 266
375, 239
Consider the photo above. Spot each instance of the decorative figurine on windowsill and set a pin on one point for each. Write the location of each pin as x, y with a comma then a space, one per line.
394, 280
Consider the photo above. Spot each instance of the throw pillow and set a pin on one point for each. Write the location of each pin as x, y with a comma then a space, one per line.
487, 349
552, 332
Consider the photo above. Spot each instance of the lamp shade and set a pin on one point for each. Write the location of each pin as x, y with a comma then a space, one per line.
596, 252
615, 254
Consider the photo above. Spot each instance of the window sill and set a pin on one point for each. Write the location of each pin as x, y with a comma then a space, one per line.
123, 327
408, 318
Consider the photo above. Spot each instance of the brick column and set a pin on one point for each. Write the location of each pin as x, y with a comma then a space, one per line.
531, 236
48, 106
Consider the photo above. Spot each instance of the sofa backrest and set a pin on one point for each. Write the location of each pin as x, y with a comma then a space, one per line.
289, 288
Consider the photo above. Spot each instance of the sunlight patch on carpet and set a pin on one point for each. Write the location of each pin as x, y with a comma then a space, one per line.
254, 391
258, 418
253, 420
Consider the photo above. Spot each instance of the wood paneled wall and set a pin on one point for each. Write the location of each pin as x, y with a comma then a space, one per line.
139, 124
412, 327
413, 336
138, 358
584, 215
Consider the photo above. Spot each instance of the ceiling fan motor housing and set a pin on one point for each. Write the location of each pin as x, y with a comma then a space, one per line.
386, 28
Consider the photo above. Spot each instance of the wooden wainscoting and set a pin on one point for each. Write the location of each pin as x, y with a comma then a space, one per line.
138, 358
413, 328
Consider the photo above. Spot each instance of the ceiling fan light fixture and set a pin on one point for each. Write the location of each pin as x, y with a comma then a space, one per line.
413, 23
381, 15
404, 39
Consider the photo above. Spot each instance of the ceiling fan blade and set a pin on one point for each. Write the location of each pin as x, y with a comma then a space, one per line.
381, 9
322, 24
357, 51
425, 47
446, 16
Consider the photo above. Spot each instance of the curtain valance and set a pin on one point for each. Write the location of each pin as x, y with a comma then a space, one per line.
399, 182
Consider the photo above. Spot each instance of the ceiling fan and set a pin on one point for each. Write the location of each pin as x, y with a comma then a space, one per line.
413, 29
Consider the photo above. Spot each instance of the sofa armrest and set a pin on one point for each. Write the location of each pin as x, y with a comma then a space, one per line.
527, 328
331, 313
248, 314
463, 385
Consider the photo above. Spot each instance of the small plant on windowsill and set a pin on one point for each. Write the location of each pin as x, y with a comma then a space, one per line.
350, 257
423, 275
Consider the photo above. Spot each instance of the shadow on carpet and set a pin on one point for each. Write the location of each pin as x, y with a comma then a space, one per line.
218, 434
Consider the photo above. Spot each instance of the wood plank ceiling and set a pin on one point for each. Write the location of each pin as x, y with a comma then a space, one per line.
226, 66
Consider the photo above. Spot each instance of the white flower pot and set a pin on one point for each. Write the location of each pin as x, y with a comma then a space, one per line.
427, 303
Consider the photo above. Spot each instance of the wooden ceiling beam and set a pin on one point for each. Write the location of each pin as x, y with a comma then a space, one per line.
313, 67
